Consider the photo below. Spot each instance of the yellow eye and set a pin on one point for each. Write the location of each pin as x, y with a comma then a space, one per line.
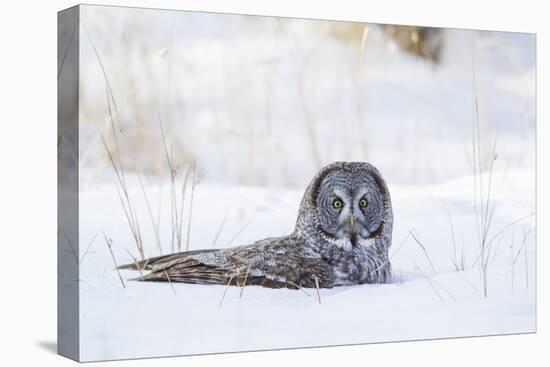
337, 203
363, 203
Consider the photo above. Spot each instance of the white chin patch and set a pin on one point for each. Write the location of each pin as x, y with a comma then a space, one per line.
367, 242
344, 244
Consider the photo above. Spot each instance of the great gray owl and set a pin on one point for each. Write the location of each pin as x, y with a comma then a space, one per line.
342, 236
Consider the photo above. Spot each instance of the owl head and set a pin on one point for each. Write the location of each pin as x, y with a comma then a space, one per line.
348, 204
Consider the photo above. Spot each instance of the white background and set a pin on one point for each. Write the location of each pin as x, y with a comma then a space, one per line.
28, 184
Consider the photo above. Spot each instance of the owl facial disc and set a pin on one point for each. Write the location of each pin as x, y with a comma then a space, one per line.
349, 207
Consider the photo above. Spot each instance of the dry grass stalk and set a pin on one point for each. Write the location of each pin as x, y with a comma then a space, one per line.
135, 260
439, 285
73, 251
298, 287
499, 233
244, 284
170, 282
108, 242
467, 281
122, 191
160, 198
429, 282
238, 233
173, 200
225, 291
176, 208
492, 250
486, 223
88, 248
417, 240
155, 224
445, 289
318, 291
219, 230
125, 200
483, 207
183, 191
454, 258
194, 183
116, 163
462, 257
523, 244
96, 52
508, 226
145, 264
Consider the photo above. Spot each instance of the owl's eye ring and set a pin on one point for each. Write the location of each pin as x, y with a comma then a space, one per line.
337, 204
363, 203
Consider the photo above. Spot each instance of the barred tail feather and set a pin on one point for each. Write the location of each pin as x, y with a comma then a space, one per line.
149, 263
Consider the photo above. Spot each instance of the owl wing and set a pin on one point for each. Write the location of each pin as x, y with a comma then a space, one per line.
148, 264
246, 265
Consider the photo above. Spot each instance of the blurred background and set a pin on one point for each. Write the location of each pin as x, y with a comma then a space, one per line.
268, 101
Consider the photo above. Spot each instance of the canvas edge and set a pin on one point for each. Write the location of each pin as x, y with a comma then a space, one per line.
68, 49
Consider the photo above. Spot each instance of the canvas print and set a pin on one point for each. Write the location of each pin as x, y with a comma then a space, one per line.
238, 183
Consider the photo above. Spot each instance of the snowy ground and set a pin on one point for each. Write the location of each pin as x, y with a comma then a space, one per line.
260, 104
151, 319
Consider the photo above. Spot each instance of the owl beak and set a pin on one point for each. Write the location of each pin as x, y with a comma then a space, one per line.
351, 222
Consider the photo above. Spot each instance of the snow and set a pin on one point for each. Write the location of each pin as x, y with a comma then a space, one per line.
152, 319
236, 95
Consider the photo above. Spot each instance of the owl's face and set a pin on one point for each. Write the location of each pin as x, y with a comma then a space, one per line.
349, 206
